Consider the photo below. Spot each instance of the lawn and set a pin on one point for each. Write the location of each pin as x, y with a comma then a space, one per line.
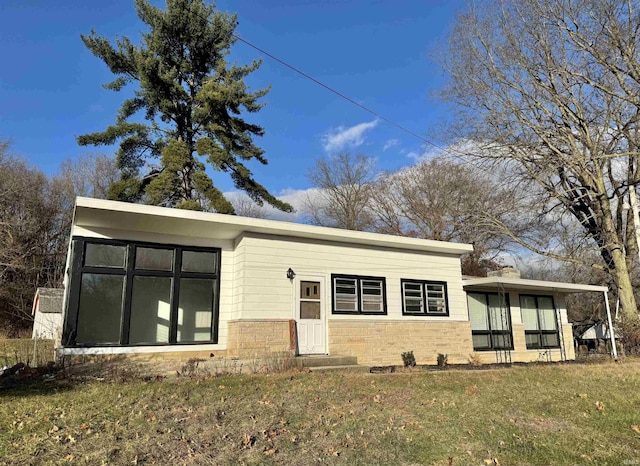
559, 414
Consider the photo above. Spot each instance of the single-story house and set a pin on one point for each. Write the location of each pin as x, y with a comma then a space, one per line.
47, 313
166, 282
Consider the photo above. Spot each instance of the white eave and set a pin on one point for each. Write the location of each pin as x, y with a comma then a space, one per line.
470, 284
98, 213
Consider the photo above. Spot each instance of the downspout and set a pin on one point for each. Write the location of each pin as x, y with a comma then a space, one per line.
611, 335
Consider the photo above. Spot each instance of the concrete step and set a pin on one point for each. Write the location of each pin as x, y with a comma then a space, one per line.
324, 361
349, 367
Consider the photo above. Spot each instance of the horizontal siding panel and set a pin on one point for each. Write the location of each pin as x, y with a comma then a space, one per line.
266, 290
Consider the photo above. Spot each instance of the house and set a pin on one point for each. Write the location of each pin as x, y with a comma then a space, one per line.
47, 313
169, 282
592, 335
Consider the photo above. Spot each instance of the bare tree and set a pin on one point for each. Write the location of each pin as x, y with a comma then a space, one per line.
552, 87
343, 192
89, 175
448, 201
244, 206
31, 238
35, 221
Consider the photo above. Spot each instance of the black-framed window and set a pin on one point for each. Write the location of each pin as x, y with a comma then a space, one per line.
424, 298
540, 319
126, 293
355, 294
490, 321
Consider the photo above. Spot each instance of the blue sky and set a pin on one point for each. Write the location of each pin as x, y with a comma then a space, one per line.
375, 52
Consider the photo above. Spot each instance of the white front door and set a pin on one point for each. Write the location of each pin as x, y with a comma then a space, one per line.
310, 316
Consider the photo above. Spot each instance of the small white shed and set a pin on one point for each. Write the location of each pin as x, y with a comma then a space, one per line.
47, 313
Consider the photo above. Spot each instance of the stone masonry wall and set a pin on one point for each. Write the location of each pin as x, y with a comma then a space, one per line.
382, 342
256, 338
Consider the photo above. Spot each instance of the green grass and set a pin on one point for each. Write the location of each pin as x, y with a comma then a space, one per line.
569, 414
13, 351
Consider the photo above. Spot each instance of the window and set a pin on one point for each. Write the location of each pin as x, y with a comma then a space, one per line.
358, 295
423, 298
490, 321
540, 322
126, 293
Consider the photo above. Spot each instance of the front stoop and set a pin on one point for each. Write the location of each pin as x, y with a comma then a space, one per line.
323, 363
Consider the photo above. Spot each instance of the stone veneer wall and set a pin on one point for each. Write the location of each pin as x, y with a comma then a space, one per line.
256, 338
381, 342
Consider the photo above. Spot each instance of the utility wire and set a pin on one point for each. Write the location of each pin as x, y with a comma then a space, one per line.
338, 93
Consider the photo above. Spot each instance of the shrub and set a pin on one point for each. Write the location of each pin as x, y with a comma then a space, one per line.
442, 360
475, 360
408, 359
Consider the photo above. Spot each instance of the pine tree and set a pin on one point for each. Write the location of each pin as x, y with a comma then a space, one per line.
191, 100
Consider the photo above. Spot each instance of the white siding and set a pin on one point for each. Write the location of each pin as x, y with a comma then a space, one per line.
267, 293
47, 326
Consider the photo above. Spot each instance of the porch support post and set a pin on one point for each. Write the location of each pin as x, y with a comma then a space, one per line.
611, 335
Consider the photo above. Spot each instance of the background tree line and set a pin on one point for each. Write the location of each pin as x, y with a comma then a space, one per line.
35, 219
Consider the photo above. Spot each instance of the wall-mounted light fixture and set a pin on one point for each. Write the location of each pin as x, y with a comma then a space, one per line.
291, 274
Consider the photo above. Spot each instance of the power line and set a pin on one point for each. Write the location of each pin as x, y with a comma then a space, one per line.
338, 93
343, 96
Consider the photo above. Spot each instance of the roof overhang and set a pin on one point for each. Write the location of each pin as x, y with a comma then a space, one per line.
98, 213
503, 283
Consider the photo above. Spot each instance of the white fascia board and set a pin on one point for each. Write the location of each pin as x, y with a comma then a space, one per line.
528, 285
231, 226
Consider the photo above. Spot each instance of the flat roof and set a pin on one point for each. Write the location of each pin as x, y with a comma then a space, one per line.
527, 285
101, 213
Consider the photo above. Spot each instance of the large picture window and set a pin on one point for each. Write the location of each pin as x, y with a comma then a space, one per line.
490, 321
540, 322
353, 294
130, 293
424, 298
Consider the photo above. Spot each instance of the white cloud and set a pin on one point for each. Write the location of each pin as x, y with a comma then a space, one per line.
295, 197
338, 138
390, 143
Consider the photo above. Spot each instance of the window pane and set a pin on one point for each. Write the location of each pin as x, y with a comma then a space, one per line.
411, 288
154, 259
100, 307
371, 288
529, 314
345, 295
200, 262
349, 282
481, 342
501, 341
545, 302
195, 309
413, 301
533, 340
477, 311
309, 290
346, 304
309, 310
550, 339
498, 319
413, 305
104, 255
527, 302
437, 306
150, 310
372, 304
498, 313
547, 319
